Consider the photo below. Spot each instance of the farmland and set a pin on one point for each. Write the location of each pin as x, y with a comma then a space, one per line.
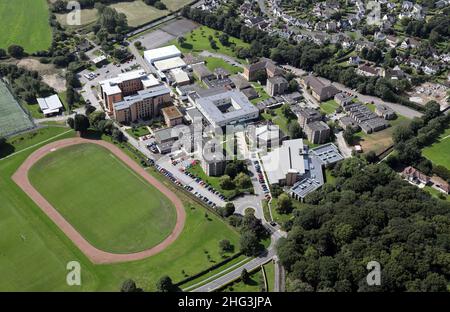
26, 22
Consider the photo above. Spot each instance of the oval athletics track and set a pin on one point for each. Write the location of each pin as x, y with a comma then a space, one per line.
96, 255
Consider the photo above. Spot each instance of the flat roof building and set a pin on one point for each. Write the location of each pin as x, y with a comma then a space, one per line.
222, 107
172, 116
115, 89
163, 53
318, 132
145, 104
276, 85
50, 105
286, 164
169, 63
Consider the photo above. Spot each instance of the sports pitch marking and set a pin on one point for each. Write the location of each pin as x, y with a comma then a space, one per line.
96, 255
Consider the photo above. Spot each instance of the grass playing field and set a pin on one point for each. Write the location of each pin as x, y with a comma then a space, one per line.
439, 152
108, 203
35, 252
197, 41
25, 22
12, 117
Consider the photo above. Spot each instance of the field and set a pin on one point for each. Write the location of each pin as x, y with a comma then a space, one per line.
381, 140
35, 252
108, 203
13, 118
25, 22
214, 62
137, 12
213, 181
197, 41
329, 107
439, 152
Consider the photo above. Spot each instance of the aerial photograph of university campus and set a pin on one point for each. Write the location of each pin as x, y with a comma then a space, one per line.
247, 146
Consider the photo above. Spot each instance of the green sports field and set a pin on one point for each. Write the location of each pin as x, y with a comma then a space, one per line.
13, 118
109, 204
25, 22
439, 152
34, 252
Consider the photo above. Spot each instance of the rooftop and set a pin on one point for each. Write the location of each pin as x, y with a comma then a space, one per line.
50, 104
141, 95
171, 112
161, 53
169, 63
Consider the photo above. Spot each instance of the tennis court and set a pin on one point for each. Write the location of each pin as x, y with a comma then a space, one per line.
13, 118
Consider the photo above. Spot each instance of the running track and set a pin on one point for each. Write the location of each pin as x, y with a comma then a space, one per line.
96, 255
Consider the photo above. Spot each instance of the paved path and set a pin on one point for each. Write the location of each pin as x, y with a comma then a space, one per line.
249, 266
345, 150
94, 254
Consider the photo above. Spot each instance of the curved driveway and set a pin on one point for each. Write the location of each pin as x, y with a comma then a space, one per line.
94, 254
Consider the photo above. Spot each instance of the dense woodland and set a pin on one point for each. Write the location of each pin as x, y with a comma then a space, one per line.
368, 214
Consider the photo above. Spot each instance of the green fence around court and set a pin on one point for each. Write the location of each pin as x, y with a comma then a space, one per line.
13, 117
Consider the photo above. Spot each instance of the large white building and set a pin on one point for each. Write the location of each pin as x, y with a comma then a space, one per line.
286, 164
164, 53
225, 107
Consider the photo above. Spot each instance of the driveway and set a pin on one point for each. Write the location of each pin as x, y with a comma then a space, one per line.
345, 150
224, 57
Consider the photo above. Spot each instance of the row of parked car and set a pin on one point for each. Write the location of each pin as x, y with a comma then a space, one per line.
205, 185
261, 180
189, 188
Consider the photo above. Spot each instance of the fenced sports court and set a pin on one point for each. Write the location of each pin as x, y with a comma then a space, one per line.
13, 117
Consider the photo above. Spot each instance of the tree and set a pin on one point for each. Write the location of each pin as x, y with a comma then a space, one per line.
293, 85
231, 169
129, 286
16, 51
88, 110
348, 135
228, 210
71, 122
250, 244
243, 181
165, 284
81, 123
181, 40
226, 183
118, 136
284, 204
224, 39
225, 246
159, 5
295, 131
2, 53
371, 157
245, 276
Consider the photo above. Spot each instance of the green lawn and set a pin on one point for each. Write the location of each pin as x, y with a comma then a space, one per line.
278, 119
435, 193
197, 41
269, 269
213, 181
214, 62
439, 152
25, 22
34, 252
329, 107
137, 12
109, 204
381, 140
138, 131
262, 94
281, 218
254, 285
